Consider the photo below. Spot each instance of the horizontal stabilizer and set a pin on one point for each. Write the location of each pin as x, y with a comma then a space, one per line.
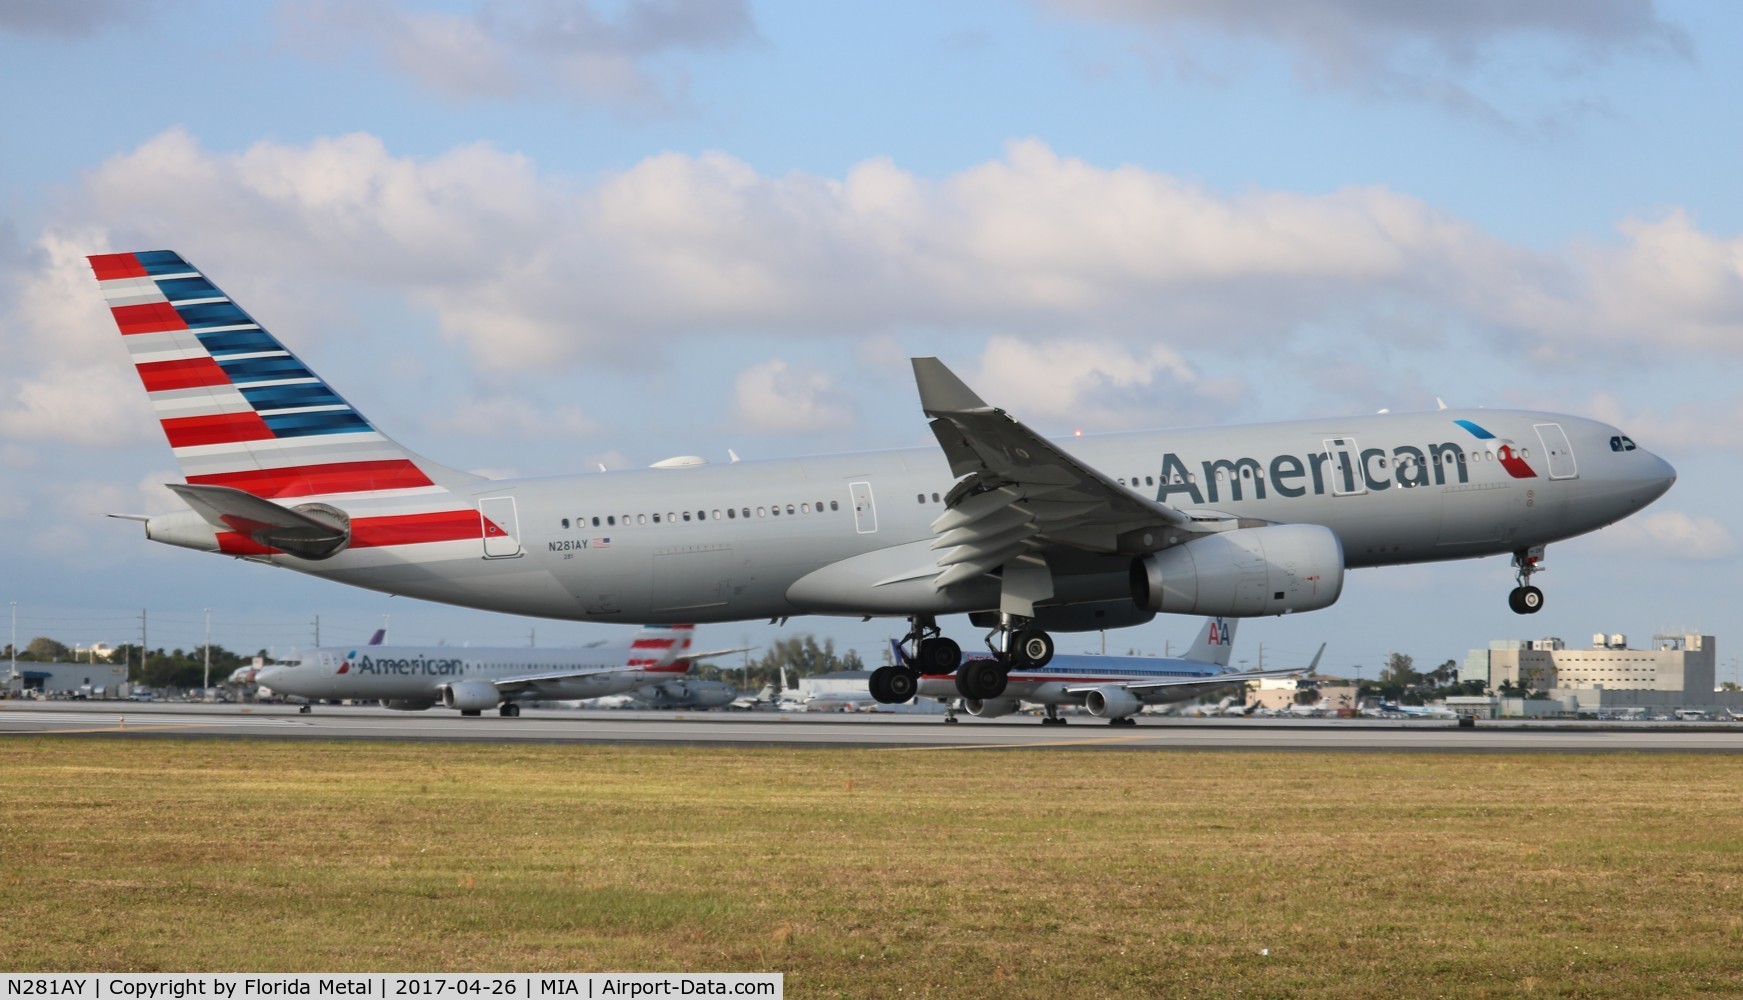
314, 532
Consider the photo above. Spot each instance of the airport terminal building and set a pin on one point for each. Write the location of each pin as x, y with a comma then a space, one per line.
1679, 672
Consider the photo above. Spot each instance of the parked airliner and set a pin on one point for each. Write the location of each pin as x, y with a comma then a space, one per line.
1022, 533
472, 679
1114, 688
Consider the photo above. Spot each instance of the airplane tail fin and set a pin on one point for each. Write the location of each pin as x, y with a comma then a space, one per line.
375, 640
1215, 642
240, 411
664, 648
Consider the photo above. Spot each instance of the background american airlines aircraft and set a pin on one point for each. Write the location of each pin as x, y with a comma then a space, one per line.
472, 679
998, 522
1115, 688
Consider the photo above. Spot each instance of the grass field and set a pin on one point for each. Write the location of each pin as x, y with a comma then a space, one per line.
883, 872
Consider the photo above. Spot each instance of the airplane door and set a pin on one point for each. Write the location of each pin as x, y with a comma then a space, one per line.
500, 526
1346, 476
865, 513
1559, 452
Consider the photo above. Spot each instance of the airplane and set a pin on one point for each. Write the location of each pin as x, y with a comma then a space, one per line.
1417, 711
245, 675
1114, 688
1026, 535
680, 692
472, 679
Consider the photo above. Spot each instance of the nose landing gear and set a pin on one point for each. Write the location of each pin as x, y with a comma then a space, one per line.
1526, 599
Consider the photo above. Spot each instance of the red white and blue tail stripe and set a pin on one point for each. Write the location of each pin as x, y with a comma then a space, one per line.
242, 412
662, 648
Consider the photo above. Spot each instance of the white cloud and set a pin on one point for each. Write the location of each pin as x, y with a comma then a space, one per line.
588, 53
1416, 50
532, 272
503, 417
1086, 385
1670, 534
777, 397
98, 406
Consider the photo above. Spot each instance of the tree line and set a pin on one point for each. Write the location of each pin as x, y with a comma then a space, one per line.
173, 668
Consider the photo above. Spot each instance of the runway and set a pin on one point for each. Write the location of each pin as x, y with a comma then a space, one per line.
122, 720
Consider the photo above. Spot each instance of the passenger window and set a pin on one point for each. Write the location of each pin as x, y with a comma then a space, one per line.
746, 512
656, 519
596, 521
934, 499
565, 522
686, 515
702, 515
834, 505
671, 517
1149, 481
920, 498
643, 519
760, 511
804, 508
731, 513
775, 510
717, 515
789, 508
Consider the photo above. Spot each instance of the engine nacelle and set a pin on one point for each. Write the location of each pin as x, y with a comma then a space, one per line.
1244, 573
470, 696
1111, 703
1091, 617
407, 705
990, 708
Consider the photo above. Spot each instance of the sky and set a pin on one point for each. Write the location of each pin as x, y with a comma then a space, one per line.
531, 238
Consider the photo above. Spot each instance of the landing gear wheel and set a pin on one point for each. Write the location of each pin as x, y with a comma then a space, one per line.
509, 711
1525, 600
471, 711
1031, 648
880, 685
938, 655
901, 685
981, 680
305, 710
1127, 721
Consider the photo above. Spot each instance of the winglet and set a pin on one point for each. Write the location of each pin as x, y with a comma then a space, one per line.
941, 391
1311, 667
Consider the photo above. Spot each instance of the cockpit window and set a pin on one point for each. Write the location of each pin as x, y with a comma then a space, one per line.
1622, 442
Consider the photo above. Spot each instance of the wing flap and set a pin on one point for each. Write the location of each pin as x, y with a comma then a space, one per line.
1021, 495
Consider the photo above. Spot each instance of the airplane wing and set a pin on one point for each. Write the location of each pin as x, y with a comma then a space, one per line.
1216, 681
1022, 494
711, 654
530, 682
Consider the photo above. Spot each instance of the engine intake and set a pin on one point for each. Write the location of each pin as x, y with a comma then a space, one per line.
990, 708
1111, 703
470, 696
1245, 573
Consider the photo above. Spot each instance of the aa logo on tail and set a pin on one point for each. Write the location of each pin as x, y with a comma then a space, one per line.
1218, 634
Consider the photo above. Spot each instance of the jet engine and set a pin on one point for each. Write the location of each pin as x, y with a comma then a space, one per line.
990, 708
1244, 573
1111, 703
407, 705
470, 696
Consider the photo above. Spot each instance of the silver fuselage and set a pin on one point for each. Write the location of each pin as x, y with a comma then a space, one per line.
829, 534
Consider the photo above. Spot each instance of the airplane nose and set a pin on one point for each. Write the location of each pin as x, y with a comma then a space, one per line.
265, 676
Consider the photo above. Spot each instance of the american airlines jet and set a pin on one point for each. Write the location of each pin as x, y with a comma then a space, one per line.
1114, 688
472, 679
1025, 534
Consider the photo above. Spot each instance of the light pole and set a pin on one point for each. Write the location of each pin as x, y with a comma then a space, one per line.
208, 683
14, 678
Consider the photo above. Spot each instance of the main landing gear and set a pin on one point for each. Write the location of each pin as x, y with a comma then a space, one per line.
509, 710
1052, 717
933, 654
1526, 599
1021, 647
